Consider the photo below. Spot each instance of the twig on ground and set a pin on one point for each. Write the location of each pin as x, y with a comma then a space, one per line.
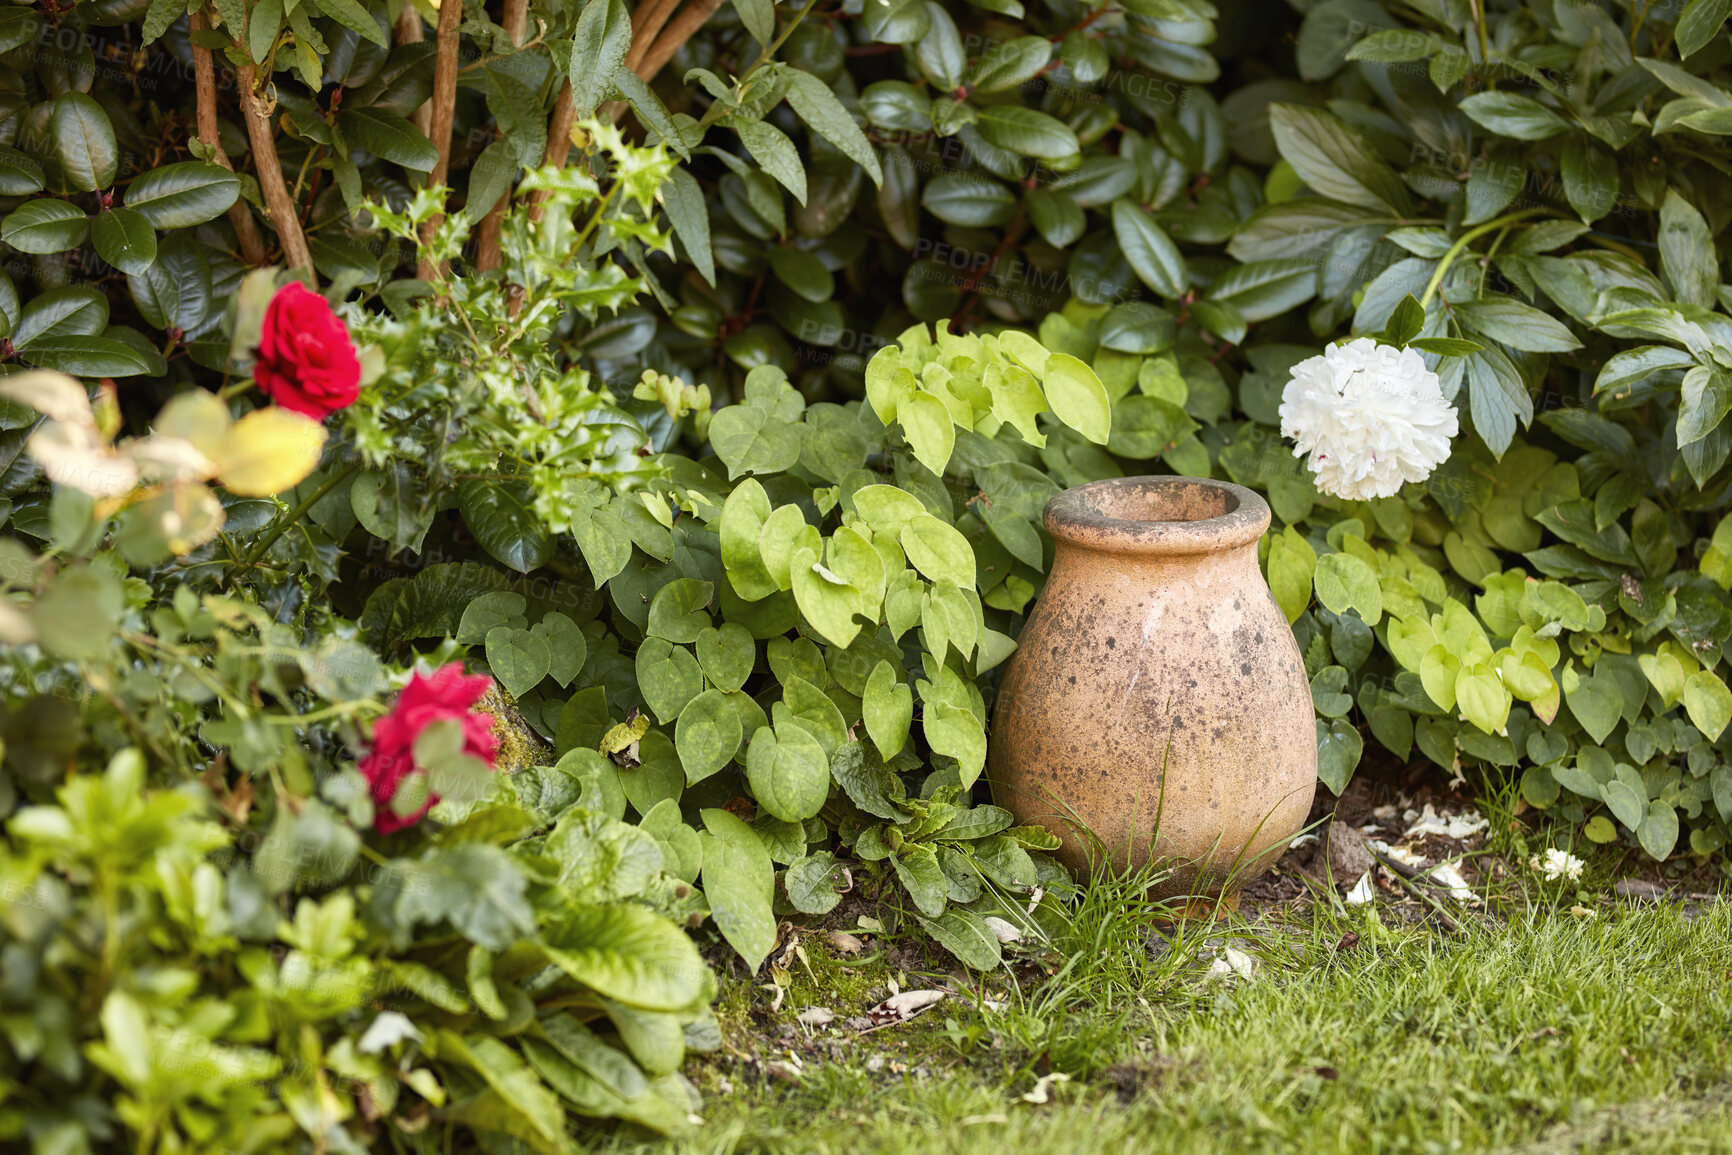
1406, 875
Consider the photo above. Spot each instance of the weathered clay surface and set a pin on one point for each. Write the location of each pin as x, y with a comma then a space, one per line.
1157, 685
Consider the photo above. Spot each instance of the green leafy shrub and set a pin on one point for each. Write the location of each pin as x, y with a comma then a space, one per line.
720, 440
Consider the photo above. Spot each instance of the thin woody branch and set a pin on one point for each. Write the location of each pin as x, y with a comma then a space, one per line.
253, 250
279, 206
655, 39
646, 23
409, 30
680, 30
515, 21
444, 103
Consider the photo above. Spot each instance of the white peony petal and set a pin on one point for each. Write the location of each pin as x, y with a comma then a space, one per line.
1369, 417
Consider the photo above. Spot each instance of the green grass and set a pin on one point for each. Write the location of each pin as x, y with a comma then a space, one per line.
1541, 1031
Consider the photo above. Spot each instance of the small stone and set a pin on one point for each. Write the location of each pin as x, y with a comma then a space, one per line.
1349, 857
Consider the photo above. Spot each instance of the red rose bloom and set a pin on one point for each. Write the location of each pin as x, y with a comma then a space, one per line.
449, 693
306, 362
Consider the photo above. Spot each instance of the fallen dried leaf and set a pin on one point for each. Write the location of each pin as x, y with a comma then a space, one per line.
816, 1016
1452, 879
788, 1069
1348, 941
1003, 930
1453, 826
844, 943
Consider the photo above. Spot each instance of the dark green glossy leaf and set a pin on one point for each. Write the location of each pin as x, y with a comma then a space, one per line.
503, 519
389, 137
176, 196
45, 226
124, 239
84, 142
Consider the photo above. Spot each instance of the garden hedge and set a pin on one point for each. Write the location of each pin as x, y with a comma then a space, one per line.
699, 374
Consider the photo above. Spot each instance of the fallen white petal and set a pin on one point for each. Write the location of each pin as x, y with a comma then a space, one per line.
1233, 963
1363, 891
1042, 1092
1453, 880
1456, 826
903, 1006
1003, 930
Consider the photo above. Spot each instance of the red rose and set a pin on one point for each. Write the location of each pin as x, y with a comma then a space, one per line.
449, 693
306, 362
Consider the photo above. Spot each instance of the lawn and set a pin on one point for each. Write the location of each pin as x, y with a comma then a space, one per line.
1534, 1027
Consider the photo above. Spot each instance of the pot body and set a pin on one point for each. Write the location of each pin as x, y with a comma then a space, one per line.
1157, 704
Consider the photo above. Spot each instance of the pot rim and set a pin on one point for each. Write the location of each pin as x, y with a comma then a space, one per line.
1076, 516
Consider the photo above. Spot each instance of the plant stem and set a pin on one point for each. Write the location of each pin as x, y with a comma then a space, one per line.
646, 22
299, 511
1462, 242
444, 103
253, 250
411, 31
515, 21
682, 29
1478, 9
1636, 23
1485, 261
717, 110
279, 206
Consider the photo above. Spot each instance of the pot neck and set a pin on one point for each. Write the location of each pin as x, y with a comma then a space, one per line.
1158, 519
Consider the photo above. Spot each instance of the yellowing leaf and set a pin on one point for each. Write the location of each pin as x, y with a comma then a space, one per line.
1077, 397
268, 451
197, 416
54, 395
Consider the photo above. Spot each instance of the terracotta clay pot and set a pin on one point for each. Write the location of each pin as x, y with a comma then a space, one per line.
1157, 685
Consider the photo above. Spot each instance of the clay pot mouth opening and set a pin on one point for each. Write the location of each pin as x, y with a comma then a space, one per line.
1159, 516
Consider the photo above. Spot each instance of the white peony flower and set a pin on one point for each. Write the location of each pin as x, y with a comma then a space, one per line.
1369, 416
1558, 864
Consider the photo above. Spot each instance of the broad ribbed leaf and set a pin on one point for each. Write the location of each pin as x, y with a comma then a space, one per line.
817, 105
20, 175
88, 357
1335, 160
